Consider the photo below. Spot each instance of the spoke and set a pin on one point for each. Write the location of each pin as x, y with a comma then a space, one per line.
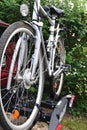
18, 99
25, 66
6, 78
6, 93
42, 63
9, 100
13, 87
3, 89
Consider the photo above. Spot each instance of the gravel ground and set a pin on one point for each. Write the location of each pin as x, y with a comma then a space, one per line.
38, 126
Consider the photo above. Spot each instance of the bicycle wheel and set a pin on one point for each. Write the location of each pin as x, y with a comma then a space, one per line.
19, 99
59, 60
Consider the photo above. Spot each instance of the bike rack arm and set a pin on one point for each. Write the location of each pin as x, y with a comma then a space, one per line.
59, 112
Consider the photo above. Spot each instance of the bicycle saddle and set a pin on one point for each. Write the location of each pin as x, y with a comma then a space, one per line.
56, 11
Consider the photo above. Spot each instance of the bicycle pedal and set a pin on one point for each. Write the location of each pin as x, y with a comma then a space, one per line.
66, 68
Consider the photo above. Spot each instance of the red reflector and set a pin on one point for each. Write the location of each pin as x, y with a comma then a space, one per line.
59, 127
71, 101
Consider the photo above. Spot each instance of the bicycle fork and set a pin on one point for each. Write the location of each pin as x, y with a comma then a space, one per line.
35, 56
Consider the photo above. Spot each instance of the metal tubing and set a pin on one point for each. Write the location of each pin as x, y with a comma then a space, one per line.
46, 15
36, 10
36, 52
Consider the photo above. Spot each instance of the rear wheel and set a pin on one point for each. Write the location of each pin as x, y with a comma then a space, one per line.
60, 56
19, 97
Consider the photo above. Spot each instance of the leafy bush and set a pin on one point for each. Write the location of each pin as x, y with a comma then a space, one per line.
76, 81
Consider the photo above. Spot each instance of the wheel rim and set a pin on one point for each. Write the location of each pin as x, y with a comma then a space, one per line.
59, 60
18, 99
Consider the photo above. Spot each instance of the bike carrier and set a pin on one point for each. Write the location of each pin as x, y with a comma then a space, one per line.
56, 115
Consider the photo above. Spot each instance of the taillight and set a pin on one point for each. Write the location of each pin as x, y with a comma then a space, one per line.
71, 101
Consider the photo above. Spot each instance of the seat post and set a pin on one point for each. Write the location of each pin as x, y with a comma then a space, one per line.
52, 26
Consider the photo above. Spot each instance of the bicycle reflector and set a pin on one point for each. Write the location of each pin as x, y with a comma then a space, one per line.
59, 127
15, 114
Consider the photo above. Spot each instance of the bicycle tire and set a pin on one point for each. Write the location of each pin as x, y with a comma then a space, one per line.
18, 104
60, 57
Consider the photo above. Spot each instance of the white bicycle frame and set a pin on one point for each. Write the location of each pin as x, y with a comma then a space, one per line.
51, 47
52, 41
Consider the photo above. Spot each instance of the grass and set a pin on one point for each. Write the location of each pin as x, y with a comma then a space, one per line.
74, 123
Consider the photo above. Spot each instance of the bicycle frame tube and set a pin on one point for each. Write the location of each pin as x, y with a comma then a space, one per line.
35, 10
51, 41
36, 25
13, 63
35, 57
51, 47
52, 44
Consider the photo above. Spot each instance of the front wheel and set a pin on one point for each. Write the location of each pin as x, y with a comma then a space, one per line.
19, 98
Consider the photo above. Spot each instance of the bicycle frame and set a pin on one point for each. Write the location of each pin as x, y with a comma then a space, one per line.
51, 46
52, 41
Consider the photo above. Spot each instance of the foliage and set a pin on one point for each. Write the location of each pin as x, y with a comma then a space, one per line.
76, 81
75, 20
71, 123
10, 10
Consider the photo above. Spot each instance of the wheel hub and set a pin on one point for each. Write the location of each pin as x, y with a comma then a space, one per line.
26, 79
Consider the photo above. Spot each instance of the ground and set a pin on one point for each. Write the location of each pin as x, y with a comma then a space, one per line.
69, 123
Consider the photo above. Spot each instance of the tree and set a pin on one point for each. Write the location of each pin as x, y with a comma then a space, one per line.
10, 10
76, 22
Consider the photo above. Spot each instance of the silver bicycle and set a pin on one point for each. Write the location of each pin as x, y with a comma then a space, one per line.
25, 59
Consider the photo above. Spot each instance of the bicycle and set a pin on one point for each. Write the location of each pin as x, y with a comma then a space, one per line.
29, 60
